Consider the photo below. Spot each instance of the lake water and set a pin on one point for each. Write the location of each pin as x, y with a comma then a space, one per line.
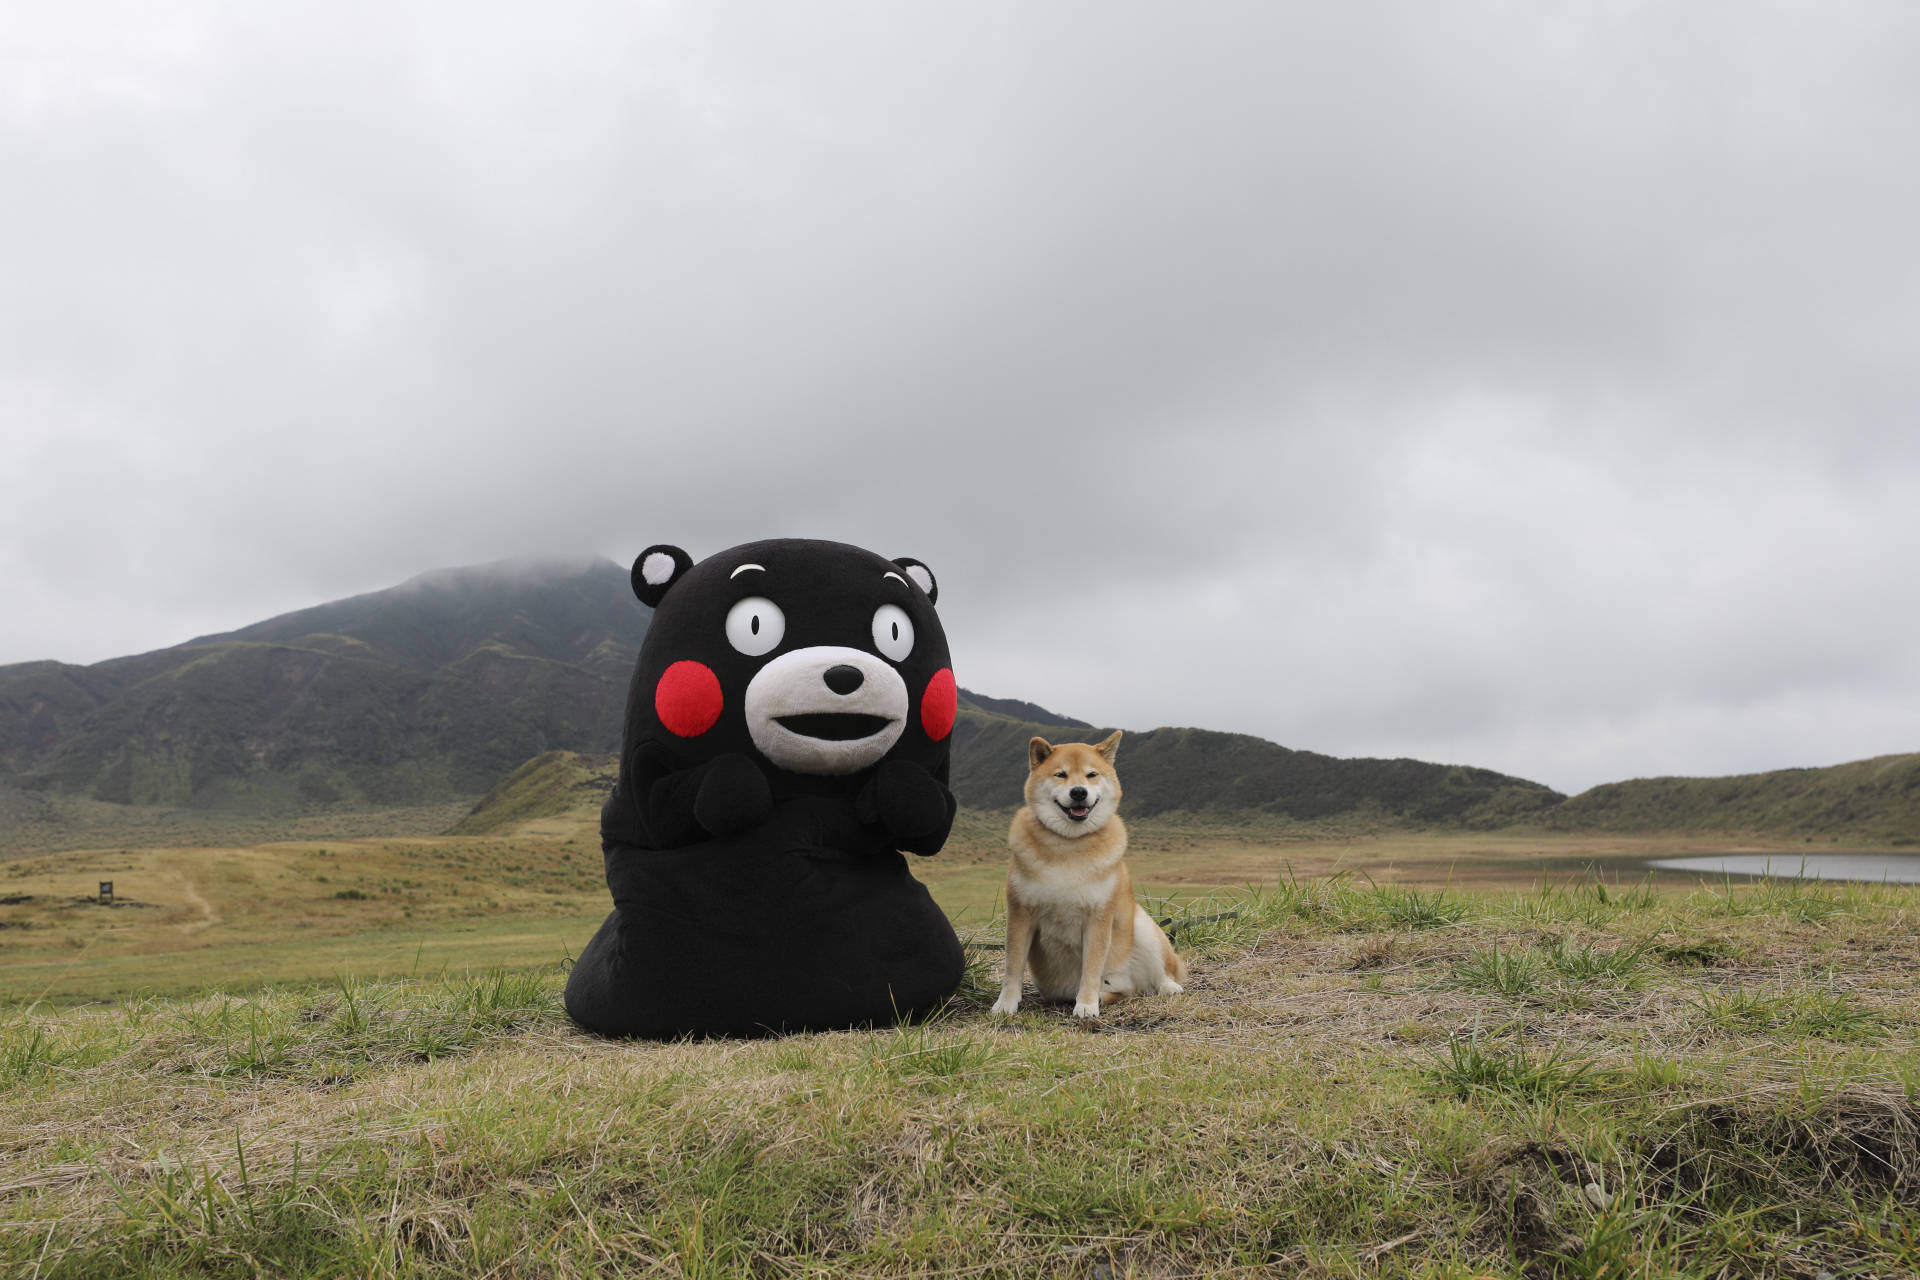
1892, 868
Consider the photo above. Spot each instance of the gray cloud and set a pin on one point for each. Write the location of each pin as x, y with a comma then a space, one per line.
1467, 381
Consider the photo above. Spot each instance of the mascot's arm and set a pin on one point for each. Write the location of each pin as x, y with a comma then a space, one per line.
909, 804
719, 797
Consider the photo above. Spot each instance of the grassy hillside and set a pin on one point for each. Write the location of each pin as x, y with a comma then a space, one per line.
580, 613
419, 694
434, 691
1015, 709
440, 687
1877, 799
1201, 771
1572, 1082
39, 822
558, 784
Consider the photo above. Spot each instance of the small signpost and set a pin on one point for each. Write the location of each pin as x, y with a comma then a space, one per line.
106, 893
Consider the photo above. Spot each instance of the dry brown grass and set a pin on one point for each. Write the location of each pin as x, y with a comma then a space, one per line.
1360, 1082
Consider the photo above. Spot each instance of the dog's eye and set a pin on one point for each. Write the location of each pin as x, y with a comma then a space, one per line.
755, 626
1061, 774
892, 632
1093, 773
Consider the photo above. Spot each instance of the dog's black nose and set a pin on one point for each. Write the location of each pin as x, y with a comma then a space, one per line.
843, 679
1077, 795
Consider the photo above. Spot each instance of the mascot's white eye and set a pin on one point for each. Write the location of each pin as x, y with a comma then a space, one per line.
755, 625
893, 632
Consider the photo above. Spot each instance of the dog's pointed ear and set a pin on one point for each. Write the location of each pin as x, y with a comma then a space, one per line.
1109, 747
1038, 749
656, 569
920, 576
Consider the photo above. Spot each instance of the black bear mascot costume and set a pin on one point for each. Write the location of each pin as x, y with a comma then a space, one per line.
787, 736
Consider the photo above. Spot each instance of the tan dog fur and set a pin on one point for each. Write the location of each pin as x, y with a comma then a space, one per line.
1070, 907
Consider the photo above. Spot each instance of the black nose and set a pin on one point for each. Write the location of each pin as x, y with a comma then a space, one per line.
843, 679
1077, 794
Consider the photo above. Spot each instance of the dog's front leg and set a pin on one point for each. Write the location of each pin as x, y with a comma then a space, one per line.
1094, 942
1019, 942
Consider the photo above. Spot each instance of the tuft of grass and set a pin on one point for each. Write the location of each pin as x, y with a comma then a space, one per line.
1409, 908
1625, 966
924, 1052
1497, 971
1802, 901
1472, 1067
1705, 953
1591, 902
25, 1053
1804, 1011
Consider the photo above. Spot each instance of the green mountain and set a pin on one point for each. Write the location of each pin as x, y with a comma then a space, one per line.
425, 691
552, 784
1206, 772
1877, 799
441, 687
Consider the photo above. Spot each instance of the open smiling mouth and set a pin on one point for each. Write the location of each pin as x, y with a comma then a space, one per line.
1078, 812
833, 726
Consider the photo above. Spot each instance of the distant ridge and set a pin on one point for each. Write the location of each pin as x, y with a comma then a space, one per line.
1877, 799
440, 688
422, 692
1207, 772
1014, 709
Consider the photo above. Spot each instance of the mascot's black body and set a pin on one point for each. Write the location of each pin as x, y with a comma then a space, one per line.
787, 735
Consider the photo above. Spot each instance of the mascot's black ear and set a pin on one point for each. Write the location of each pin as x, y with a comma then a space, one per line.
656, 569
920, 576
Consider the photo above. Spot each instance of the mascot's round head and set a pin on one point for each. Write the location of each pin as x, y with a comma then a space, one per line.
819, 657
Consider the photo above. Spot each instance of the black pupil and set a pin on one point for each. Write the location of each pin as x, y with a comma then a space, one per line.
755, 624
896, 631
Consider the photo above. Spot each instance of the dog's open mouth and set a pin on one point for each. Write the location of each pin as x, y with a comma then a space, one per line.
1078, 812
833, 726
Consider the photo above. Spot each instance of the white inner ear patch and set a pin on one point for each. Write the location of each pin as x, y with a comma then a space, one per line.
657, 568
922, 577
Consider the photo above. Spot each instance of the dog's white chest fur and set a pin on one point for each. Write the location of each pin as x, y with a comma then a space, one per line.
1066, 891
1062, 900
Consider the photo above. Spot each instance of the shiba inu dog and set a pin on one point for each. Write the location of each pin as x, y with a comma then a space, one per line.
1070, 907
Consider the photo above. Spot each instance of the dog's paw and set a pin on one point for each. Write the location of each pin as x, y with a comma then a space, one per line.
1006, 1005
1086, 1009
1171, 988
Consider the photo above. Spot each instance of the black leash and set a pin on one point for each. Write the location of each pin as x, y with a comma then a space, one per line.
1172, 926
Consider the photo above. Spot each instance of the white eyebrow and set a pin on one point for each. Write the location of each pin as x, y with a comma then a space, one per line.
896, 577
743, 568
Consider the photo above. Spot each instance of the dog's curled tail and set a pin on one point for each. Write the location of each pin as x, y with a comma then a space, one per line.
1176, 964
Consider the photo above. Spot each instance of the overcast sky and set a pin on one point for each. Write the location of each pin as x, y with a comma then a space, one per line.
1520, 385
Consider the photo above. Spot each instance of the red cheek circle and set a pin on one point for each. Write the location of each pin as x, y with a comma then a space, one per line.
688, 699
941, 705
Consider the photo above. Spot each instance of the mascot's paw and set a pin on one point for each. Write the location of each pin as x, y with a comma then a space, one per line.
905, 799
733, 796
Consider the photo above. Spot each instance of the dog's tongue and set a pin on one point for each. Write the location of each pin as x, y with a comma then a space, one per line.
1080, 810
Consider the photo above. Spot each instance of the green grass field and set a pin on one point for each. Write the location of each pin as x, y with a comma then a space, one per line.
1575, 1080
245, 915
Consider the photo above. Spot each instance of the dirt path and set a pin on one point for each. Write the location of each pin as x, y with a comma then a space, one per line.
196, 900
